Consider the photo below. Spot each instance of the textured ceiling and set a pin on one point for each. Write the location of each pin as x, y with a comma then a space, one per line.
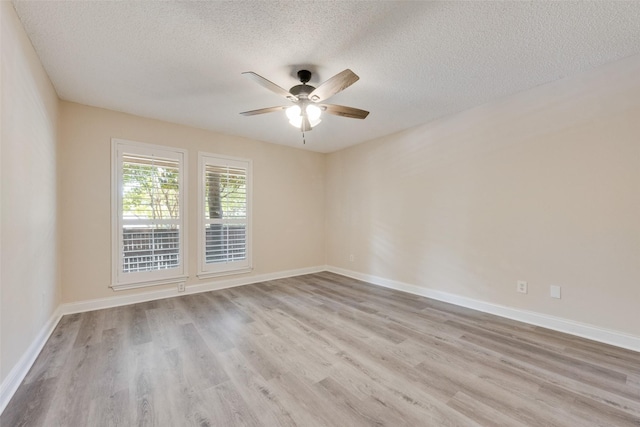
417, 61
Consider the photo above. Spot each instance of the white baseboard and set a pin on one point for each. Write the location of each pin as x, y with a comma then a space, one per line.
20, 369
223, 283
584, 330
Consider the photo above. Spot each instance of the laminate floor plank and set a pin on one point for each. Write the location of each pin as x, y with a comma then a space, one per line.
255, 390
146, 389
401, 386
581, 367
634, 379
584, 410
615, 386
199, 361
139, 332
363, 296
400, 400
487, 367
259, 296
226, 306
303, 342
266, 364
367, 410
308, 337
90, 331
611, 362
118, 318
257, 312
111, 366
229, 408
291, 360
507, 402
175, 311
365, 321
521, 335
188, 405
481, 413
319, 350
30, 404
592, 393
164, 331
53, 356
111, 410
74, 388
305, 314
300, 404
208, 321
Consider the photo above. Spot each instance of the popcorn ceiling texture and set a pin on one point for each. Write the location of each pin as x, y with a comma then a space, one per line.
417, 61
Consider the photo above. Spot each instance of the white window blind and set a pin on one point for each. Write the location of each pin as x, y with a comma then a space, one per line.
225, 214
150, 215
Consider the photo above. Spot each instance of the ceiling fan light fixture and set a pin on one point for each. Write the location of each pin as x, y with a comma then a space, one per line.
313, 112
295, 117
293, 112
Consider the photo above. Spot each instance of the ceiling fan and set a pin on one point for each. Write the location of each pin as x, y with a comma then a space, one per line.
307, 108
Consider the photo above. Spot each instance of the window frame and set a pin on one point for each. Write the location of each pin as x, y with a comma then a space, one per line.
119, 279
227, 268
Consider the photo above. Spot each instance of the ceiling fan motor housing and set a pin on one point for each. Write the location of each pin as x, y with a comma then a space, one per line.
302, 91
304, 76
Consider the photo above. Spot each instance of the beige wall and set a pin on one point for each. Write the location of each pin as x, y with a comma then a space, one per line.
543, 186
28, 263
288, 202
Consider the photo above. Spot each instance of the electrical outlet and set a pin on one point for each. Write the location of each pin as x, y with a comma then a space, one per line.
351, 258
555, 291
181, 287
522, 287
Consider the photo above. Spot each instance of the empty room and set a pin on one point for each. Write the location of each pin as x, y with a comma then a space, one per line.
320, 213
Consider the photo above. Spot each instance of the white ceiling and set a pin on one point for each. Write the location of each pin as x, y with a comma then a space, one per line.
417, 61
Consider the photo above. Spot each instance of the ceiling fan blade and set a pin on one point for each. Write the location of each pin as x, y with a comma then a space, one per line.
262, 111
335, 84
269, 85
341, 110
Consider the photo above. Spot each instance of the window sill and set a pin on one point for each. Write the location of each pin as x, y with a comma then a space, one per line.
169, 281
210, 274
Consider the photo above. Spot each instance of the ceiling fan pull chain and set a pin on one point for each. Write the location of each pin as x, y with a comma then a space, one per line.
304, 141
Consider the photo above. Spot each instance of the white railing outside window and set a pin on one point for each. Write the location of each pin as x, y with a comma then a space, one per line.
148, 214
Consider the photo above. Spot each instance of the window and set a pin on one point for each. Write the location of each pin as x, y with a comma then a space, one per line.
148, 215
224, 218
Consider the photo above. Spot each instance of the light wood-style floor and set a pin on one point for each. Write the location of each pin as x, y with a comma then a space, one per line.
320, 350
